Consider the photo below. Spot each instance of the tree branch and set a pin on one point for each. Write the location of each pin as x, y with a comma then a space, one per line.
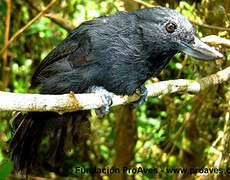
72, 102
55, 18
216, 40
144, 3
211, 26
26, 26
199, 24
60, 21
5, 69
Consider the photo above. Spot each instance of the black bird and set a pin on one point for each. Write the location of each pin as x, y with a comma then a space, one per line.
118, 54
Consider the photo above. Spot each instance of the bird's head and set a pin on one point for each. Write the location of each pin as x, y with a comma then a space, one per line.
168, 30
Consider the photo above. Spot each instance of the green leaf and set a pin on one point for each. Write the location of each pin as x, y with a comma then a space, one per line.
5, 169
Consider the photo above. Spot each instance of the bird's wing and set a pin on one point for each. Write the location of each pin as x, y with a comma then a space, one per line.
71, 52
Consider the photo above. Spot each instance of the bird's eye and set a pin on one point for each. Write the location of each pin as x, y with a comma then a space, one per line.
171, 27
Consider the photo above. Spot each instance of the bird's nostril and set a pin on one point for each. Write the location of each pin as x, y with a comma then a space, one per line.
193, 39
190, 39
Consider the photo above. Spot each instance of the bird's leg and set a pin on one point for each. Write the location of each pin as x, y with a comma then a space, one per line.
106, 99
143, 92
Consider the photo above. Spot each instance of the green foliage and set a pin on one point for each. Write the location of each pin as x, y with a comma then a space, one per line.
164, 136
5, 169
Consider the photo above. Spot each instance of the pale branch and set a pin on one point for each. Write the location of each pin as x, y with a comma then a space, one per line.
216, 40
73, 102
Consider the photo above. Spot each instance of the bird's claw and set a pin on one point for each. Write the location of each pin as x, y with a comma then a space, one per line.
107, 102
106, 99
143, 96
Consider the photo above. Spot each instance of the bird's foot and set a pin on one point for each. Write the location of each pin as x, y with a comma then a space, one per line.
106, 99
143, 92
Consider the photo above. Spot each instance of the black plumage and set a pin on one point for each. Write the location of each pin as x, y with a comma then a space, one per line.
119, 53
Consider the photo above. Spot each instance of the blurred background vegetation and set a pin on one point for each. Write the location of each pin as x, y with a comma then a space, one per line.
175, 130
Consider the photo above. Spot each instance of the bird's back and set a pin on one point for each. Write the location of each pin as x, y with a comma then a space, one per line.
89, 53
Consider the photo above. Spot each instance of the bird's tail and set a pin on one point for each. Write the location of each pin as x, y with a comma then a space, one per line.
63, 132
